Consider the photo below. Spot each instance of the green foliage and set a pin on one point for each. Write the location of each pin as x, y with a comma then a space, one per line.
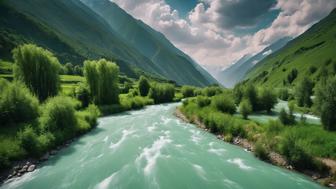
83, 94
238, 92
29, 141
303, 92
260, 151
224, 103
325, 103
143, 86
203, 101
38, 69
58, 117
283, 94
188, 91
245, 108
161, 93
251, 94
286, 118
212, 91
102, 78
267, 99
292, 76
17, 104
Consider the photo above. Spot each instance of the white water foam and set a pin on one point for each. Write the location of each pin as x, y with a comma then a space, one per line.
196, 136
200, 171
105, 139
125, 133
152, 153
240, 163
218, 152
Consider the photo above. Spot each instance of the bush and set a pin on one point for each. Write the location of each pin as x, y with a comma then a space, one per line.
29, 141
260, 151
224, 103
292, 76
143, 86
161, 93
102, 78
188, 91
212, 91
38, 69
245, 108
203, 101
251, 94
58, 117
283, 94
286, 118
17, 104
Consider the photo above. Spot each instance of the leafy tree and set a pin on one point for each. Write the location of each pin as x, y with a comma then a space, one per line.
292, 75
161, 93
267, 99
325, 103
188, 91
238, 92
303, 92
102, 79
69, 68
83, 95
251, 94
245, 108
286, 118
78, 70
283, 94
224, 103
143, 86
203, 101
29, 141
17, 104
38, 69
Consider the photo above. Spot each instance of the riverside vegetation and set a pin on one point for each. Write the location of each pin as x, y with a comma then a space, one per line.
288, 141
41, 110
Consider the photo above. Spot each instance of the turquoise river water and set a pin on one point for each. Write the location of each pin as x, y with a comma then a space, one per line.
150, 148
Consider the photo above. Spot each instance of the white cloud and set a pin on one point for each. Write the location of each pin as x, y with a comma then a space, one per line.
205, 34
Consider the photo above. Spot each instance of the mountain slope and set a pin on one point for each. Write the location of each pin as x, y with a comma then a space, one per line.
151, 43
236, 73
78, 30
308, 54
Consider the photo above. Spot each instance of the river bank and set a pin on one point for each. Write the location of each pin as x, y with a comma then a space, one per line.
274, 158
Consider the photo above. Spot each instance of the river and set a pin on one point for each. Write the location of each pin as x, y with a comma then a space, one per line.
150, 148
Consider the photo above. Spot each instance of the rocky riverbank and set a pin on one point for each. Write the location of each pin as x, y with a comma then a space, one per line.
274, 158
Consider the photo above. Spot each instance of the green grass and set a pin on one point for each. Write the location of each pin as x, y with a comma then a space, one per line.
312, 49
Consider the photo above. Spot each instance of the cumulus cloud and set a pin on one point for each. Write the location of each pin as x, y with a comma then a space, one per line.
206, 34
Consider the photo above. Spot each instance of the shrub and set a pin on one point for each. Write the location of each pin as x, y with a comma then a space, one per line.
161, 93
286, 118
245, 108
58, 117
292, 76
283, 94
143, 86
188, 91
203, 101
17, 104
102, 78
38, 69
29, 141
260, 151
312, 69
212, 91
224, 103
251, 94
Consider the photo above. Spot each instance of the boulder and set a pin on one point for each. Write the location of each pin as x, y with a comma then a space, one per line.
31, 168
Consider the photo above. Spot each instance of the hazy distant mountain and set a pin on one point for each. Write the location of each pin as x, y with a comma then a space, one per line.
236, 72
77, 30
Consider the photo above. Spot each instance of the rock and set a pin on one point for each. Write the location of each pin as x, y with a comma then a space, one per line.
10, 176
19, 174
28, 163
14, 173
16, 168
53, 152
332, 185
31, 168
25, 167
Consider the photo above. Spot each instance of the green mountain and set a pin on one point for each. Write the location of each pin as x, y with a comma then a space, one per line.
236, 72
74, 32
308, 55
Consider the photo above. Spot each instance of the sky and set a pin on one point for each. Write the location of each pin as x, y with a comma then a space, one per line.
217, 33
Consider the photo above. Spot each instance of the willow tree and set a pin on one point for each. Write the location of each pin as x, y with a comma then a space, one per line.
102, 79
38, 68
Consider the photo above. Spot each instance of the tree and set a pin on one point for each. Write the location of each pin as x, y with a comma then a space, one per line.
267, 99
38, 69
224, 103
188, 91
69, 68
78, 70
250, 93
161, 93
286, 118
245, 108
83, 95
303, 92
143, 86
102, 79
325, 103
292, 76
